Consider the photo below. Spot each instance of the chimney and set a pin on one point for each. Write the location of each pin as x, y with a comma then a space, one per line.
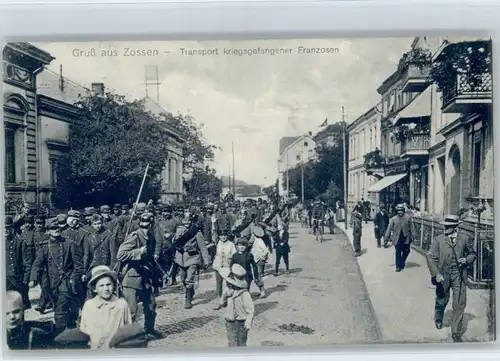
98, 89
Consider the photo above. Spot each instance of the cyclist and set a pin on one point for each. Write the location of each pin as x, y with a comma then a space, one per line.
318, 219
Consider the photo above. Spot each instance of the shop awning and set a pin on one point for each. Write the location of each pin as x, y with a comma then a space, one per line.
420, 107
386, 182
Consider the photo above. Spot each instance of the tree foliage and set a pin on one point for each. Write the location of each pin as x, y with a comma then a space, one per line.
109, 151
203, 185
323, 178
196, 149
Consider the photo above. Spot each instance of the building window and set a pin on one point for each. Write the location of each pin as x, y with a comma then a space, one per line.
170, 174
10, 156
53, 172
476, 167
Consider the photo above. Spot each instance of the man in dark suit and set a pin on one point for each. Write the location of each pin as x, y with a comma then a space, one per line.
381, 222
400, 232
449, 256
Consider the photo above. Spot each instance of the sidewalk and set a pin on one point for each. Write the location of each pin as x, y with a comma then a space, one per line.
404, 302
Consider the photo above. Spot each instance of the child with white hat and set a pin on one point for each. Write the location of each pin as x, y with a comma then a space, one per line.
239, 305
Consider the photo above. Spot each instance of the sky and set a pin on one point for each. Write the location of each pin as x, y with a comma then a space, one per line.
251, 100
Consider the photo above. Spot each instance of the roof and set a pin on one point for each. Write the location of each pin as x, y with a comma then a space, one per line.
49, 84
285, 142
362, 117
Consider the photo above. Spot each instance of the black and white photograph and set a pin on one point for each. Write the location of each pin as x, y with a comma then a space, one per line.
248, 193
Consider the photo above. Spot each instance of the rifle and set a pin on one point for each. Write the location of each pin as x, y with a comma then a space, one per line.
119, 266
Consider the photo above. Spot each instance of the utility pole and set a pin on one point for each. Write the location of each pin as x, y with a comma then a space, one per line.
344, 135
234, 177
287, 176
302, 179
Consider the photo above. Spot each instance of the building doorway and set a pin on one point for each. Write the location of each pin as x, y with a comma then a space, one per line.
454, 190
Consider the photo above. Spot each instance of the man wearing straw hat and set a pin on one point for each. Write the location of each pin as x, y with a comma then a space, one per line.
400, 232
449, 256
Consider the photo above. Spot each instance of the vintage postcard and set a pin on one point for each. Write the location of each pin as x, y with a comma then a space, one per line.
196, 194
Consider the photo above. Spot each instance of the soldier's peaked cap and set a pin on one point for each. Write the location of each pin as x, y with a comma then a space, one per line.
146, 217
9, 222
61, 218
89, 211
104, 208
141, 207
53, 223
73, 213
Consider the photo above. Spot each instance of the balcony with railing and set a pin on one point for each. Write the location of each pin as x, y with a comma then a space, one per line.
374, 163
464, 96
415, 145
416, 77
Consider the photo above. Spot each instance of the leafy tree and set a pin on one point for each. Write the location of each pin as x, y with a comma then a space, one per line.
196, 150
204, 185
323, 178
110, 150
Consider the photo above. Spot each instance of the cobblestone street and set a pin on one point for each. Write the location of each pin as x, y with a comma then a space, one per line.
323, 301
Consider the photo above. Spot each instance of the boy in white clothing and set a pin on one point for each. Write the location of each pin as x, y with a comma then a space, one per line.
223, 255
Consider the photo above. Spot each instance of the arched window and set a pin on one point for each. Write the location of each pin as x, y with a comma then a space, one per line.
15, 112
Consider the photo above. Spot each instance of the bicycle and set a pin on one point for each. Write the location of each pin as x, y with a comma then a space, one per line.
319, 227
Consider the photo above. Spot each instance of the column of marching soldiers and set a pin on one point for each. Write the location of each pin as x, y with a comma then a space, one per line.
158, 242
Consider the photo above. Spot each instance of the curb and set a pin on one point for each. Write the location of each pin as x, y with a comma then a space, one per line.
378, 329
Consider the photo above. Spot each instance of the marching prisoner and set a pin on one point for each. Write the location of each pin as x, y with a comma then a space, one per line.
136, 255
65, 268
190, 254
19, 259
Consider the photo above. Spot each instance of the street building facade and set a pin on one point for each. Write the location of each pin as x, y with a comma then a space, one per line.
298, 152
172, 188
364, 138
436, 146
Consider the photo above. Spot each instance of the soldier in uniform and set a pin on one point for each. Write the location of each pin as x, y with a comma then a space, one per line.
87, 214
40, 239
65, 270
107, 220
449, 256
136, 255
99, 247
190, 253
76, 233
164, 233
20, 256
134, 225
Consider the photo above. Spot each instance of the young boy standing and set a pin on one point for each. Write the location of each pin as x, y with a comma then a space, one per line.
240, 309
245, 259
223, 256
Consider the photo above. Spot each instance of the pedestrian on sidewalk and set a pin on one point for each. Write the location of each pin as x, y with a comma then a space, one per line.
449, 257
357, 225
400, 232
240, 309
381, 222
